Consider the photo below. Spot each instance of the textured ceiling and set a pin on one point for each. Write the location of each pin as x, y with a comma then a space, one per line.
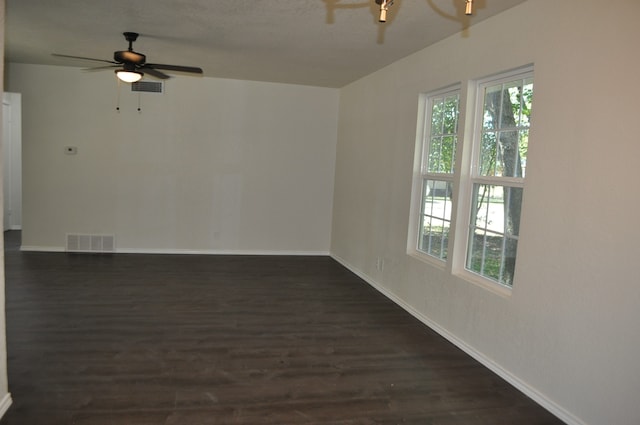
327, 43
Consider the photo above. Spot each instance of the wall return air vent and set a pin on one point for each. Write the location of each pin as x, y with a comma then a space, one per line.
90, 243
147, 86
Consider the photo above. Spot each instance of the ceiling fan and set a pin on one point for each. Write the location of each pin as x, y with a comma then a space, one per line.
132, 65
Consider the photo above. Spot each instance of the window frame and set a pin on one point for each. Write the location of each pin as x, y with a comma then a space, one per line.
422, 174
471, 99
471, 177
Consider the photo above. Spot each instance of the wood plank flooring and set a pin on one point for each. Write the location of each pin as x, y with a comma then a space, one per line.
198, 340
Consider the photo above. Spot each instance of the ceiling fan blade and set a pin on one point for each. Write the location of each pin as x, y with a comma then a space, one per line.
153, 72
83, 58
179, 68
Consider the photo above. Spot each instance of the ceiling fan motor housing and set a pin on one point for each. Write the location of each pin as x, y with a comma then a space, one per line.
125, 56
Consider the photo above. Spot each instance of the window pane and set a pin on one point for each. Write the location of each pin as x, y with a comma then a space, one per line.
488, 155
480, 247
437, 116
433, 236
447, 155
491, 112
493, 232
451, 115
435, 152
442, 154
442, 138
526, 101
523, 147
509, 164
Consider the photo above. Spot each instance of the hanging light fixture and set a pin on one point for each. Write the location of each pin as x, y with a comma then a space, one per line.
128, 73
385, 4
469, 7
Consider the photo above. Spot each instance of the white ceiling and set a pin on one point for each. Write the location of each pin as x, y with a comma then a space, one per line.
327, 43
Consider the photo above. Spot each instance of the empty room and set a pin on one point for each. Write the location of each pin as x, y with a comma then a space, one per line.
320, 212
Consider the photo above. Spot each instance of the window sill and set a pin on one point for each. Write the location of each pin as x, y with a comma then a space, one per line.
489, 285
464, 275
427, 259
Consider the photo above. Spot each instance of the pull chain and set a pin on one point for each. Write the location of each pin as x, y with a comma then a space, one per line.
118, 96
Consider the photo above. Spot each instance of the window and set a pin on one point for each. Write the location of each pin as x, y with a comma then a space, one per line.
439, 141
478, 238
497, 176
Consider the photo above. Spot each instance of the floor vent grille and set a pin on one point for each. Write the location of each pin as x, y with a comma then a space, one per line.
90, 243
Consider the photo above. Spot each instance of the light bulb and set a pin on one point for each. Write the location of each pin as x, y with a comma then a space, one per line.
469, 9
384, 6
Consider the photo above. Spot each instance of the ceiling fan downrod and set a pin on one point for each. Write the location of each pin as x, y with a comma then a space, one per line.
130, 37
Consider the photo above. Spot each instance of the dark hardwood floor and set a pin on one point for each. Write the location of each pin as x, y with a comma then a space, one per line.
190, 340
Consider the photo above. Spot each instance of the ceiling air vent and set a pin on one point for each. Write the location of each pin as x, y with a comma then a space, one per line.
147, 86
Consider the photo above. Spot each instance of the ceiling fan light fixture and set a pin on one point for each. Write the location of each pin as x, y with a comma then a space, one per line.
128, 76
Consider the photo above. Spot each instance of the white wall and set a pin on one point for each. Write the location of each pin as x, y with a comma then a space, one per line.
5, 396
569, 333
211, 165
12, 160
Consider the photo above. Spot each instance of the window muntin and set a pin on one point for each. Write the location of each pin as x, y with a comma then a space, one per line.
497, 178
440, 140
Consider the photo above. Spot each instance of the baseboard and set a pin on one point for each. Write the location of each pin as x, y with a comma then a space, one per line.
5, 403
32, 248
220, 252
526, 389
